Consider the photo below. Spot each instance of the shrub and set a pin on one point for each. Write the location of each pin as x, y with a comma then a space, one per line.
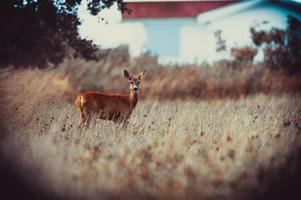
282, 48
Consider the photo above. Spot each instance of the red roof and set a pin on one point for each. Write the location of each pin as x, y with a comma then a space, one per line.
171, 9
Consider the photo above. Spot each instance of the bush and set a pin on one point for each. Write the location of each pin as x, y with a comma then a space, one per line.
244, 55
282, 48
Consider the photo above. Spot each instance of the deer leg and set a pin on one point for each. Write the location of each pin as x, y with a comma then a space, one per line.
82, 120
85, 118
126, 121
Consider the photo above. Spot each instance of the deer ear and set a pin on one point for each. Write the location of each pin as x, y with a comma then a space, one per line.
142, 74
126, 74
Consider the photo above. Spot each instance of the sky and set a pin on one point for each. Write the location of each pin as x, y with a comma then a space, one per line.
110, 32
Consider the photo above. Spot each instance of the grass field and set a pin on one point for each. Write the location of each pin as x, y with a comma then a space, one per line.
172, 149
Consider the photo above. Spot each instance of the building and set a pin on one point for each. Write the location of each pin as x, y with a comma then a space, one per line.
183, 31
167, 23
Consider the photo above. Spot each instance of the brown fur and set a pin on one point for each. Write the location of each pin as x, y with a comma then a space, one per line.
108, 106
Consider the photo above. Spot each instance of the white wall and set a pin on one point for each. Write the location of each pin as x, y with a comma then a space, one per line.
197, 43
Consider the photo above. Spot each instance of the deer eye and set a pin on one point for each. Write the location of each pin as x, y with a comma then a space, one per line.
131, 81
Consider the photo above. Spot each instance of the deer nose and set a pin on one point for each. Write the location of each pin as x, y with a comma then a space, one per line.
135, 89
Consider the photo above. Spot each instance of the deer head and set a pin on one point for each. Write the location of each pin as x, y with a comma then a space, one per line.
134, 80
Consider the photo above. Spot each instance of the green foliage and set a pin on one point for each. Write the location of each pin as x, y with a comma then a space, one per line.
38, 32
282, 48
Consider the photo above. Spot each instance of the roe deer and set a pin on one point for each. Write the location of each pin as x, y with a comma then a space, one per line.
110, 106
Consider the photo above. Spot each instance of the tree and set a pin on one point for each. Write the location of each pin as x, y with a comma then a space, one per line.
38, 32
282, 48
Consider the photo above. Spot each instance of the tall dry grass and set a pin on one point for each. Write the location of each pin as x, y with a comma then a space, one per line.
180, 82
224, 79
193, 149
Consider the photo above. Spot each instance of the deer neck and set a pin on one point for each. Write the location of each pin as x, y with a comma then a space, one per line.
133, 98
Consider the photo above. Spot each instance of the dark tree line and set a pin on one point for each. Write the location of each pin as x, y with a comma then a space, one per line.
38, 32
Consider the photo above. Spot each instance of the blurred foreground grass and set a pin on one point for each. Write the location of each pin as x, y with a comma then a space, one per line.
184, 150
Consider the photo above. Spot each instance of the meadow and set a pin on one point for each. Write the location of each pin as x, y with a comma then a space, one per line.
196, 133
